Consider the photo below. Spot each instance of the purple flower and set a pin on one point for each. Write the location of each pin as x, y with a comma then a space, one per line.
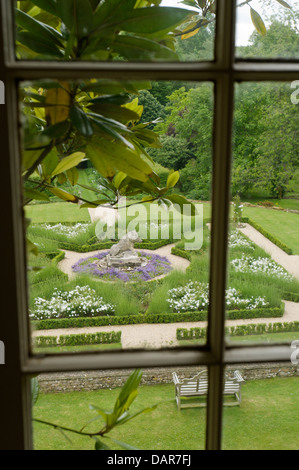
156, 266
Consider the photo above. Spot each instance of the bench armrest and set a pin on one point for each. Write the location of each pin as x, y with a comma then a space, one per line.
239, 377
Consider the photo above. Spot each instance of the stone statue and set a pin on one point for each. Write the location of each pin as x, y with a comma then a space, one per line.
123, 255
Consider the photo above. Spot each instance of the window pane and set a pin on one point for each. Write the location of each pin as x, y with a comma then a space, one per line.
265, 418
164, 427
267, 30
117, 190
137, 31
262, 295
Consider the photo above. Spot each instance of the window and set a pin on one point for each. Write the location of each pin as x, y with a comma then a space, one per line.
225, 72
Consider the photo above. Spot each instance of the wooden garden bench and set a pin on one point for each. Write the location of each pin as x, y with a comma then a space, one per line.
197, 386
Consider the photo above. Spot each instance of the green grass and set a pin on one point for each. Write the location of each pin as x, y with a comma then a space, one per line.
282, 225
265, 338
266, 419
77, 349
56, 212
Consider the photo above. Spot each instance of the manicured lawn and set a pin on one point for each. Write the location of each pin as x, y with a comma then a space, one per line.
57, 212
77, 349
282, 225
266, 420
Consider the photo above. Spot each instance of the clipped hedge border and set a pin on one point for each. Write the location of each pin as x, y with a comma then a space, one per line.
270, 237
111, 337
55, 256
145, 245
158, 318
184, 334
291, 296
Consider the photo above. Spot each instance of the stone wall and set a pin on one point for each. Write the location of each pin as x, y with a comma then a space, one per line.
91, 381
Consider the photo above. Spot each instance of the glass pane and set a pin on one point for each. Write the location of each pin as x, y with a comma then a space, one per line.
135, 30
267, 30
117, 179
263, 289
264, 419
162, 427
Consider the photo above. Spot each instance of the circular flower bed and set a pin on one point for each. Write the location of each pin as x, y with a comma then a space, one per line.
156, 266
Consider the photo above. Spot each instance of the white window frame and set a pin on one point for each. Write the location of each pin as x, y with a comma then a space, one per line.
225, 71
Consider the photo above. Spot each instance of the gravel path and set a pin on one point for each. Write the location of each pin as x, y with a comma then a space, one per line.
164, 335
289, 262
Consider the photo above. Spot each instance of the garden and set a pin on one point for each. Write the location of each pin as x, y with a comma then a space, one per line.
156, 294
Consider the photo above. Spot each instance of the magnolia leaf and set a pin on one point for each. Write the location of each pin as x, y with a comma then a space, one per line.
110, 157
81, 121
59, 100
35, 194
48, 5
190, 34
57, 130
153, 20
68, 162
258, 22
78, 13
61, 178
31, 247
181, 201
172, 179
39, 44
63, 195
284, 4
73, 175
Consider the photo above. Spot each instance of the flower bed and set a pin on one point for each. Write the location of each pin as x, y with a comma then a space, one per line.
194, 296
157, 266
79, 302
248, 264
68, 231
237, 240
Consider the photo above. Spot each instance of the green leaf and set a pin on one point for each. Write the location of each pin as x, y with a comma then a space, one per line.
68, 162
63, 195
124, 445
258, 22
57, 130
172, 179
73, 175
39, 44
113, 133
112, 99
181, 201
31, 247
110, 157
153, 20
99, 445
110, 8
78, 13
138, 48
47, 5
35, 194
33, 26
49, 164
81, 121
284, 4
118, 113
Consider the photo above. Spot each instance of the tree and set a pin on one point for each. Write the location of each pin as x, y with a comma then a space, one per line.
66, 122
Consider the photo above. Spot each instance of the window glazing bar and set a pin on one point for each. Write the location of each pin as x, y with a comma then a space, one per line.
222, 151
